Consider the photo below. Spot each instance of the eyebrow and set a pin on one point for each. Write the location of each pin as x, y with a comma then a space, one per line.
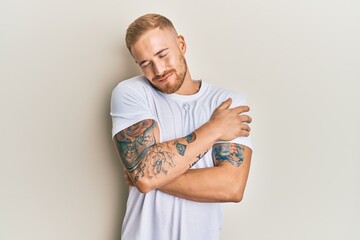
159, 52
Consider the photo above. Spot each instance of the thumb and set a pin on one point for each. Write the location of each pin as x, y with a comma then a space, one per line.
226, 104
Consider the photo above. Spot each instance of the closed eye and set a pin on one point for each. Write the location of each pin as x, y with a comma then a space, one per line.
163, 55
145, 64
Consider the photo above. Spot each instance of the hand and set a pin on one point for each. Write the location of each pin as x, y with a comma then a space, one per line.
230, 123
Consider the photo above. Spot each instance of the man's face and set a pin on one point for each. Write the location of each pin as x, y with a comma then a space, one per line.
160, 54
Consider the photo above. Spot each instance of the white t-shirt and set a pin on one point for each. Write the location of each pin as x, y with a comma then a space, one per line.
157, 215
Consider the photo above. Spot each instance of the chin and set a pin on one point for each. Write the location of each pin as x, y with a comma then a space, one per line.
171, 86
168, 90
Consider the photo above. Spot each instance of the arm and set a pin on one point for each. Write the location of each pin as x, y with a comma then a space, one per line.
151, 164
223, 183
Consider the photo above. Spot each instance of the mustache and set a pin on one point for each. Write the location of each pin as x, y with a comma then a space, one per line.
167, 72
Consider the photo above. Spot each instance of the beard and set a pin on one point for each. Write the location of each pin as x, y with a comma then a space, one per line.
168, 87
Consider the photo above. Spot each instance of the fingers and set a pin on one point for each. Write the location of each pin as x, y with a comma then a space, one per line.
245, 127
245, 118
244, 134
245, 130
241, 109
226, 104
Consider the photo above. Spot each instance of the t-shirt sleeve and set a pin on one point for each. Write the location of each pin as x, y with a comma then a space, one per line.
240, 100
128, 106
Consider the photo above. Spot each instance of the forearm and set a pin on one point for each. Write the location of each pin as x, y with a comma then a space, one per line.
224, 183
201, 185
161, 163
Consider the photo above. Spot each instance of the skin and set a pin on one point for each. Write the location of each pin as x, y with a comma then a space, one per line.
161, 56
151, 164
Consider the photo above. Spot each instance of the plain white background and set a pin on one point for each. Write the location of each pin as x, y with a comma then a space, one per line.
298, 62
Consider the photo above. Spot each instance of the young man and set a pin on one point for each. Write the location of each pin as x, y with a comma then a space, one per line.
185, 151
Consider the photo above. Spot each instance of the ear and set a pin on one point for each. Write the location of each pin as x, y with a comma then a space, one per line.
182, 44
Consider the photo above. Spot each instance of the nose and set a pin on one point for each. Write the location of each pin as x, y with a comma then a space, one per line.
158, 68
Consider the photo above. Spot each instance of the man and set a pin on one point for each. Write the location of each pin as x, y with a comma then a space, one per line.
183, 148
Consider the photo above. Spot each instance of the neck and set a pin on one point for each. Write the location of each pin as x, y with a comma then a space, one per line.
189, 86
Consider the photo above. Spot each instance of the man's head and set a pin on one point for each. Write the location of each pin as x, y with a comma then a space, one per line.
155, 45
145, 23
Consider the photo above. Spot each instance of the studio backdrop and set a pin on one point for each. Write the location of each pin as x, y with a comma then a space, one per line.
298, 63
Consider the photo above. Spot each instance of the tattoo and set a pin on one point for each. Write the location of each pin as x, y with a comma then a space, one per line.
133, 140
181, 148
231, 152
198, 157
191, 137
139, 152
158, 160
139, 172
192, 164
142, 155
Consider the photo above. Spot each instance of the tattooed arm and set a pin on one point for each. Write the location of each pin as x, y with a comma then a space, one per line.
223, 183
151, 164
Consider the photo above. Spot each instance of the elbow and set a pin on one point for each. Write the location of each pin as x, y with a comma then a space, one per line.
231, 196
237, 198
236, 194
237, 189
143, 186
143, 190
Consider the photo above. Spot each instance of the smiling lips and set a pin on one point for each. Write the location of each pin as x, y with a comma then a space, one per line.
165, 78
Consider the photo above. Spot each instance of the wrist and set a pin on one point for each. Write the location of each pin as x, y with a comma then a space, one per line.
213, 130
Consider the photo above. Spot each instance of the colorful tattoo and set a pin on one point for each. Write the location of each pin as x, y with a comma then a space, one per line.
191, 137
139, 152
232, 153
181, 148
133, 140
142, 156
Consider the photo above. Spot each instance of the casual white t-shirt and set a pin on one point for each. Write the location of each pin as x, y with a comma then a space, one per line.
157, 215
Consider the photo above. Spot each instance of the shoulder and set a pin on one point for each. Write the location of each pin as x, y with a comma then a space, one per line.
134, 91
132, 84
220, 94
137, 87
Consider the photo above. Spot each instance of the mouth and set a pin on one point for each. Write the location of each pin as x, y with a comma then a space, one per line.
165, 78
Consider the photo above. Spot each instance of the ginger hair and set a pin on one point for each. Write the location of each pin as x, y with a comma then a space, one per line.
143, 24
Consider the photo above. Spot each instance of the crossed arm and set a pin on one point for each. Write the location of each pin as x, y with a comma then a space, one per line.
151, 164
165, 166
223, 183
